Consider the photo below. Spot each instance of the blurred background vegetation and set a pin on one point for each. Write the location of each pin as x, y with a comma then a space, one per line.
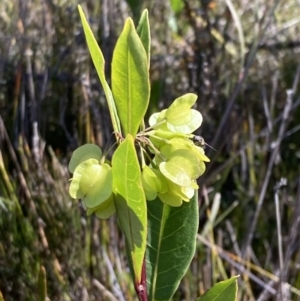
240, 57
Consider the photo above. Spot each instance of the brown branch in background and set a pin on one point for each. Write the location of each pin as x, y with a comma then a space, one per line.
293, 237
249, 61
280, 45
239, 265
105, 292
209, 178
286, 114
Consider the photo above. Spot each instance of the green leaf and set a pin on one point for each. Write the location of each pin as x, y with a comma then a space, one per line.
171, 246
222, 291
143, 30
99, 63
42, 284
130, 79
130, 202
177, 5
135, 6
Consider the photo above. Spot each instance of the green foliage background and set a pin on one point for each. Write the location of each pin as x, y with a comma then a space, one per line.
239, 57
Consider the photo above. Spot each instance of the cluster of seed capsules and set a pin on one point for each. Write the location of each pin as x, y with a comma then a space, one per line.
178, 161
175, 161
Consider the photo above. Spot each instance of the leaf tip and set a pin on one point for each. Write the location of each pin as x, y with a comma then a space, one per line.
145, 12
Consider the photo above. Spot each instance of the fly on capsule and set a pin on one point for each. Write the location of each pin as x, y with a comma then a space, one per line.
199, 141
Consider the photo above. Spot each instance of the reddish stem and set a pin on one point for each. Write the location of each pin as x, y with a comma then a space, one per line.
141, 288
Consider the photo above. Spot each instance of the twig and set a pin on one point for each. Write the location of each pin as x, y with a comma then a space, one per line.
237, 265
279, 235
240, 264
117, 288
104, 291
251, 56
274, 155
261, 134
293, 237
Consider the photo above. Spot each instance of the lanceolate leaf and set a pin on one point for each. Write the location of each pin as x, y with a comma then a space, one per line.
171, 246
99, 64
130, 202
222, 291
130, 79
143, 31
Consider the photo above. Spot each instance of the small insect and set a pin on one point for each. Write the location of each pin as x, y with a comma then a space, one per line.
199, 141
